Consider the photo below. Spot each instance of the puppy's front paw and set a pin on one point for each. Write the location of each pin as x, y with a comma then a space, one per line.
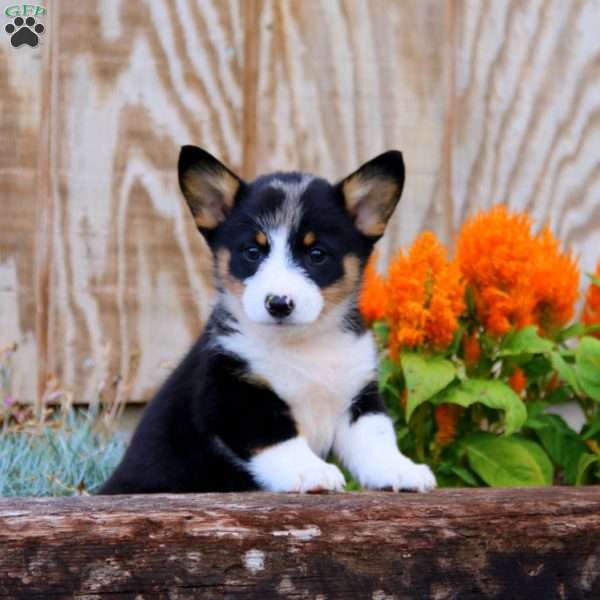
313, 476
416, 478
320, 478
397, 472
292, 467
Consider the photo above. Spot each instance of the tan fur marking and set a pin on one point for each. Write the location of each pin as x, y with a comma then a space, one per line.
371, 201
257, 380
369, 228
205, 221
226, 184
229, 282
261, 239
356, 189
209, 196
343, 287
309, 239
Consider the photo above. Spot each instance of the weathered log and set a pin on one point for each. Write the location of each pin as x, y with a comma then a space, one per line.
540, 543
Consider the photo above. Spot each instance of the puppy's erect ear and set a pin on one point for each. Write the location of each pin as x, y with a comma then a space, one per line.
208, 186
372, 192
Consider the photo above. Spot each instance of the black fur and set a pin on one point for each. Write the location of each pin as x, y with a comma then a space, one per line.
354, 322
368, 401
205, 417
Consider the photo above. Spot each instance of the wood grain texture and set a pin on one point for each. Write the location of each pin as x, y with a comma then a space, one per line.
20, 118
103, 280
131, 276
447, 544
342, 81
527, 115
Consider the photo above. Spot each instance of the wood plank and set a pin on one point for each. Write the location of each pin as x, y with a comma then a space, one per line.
342, 81
447, 544
131, 275
20, 114
527, 118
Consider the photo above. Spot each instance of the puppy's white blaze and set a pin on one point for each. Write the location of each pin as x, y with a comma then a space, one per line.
280, 276
292, 467
368, 448
290, 213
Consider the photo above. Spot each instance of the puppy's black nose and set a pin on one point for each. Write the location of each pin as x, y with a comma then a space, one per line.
279, 306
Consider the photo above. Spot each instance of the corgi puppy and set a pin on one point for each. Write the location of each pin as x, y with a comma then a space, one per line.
285, 372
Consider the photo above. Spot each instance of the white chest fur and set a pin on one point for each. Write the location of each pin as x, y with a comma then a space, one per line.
317, 377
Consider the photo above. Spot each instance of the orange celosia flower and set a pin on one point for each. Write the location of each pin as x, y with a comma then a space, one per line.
373, 294
446, 418
425, 296
556, 284
591, 310
517, 278
421, 298
518, 381
553, 383
472, 349
492, 250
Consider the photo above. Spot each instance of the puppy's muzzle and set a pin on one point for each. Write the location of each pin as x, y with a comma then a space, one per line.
279, 307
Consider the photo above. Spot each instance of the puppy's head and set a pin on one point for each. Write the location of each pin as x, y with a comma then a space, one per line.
289, 247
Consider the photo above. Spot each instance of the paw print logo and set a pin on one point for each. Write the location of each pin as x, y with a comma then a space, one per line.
24, 32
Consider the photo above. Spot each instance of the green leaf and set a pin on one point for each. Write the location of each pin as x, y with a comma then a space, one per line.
591, 430
540, 456
470, 300
575, 330
587, 366
508, 461
537, 366
560, 395
525, 341
449, 474
595, 279
465, 475
449, 481
401, 433
583, 468
593, 328
536, 407
562, 443
565, 371
456, 340
491, 393
387, 370
425, 377
381, 330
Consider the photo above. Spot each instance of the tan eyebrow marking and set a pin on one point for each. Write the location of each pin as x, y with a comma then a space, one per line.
309, 238
261, 239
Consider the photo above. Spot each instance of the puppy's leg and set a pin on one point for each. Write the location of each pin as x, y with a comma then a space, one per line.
259, 428
291, 466
365, 442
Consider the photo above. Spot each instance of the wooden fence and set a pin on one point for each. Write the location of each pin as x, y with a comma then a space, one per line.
103, 280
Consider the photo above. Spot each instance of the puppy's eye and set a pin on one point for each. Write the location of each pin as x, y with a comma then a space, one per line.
252, 253
317, 256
